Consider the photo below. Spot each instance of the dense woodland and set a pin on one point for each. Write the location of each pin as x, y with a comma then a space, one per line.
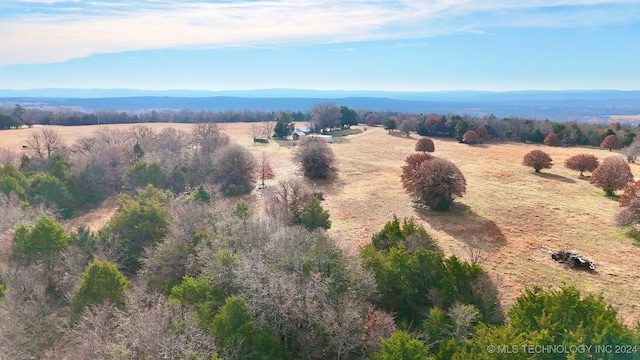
187, 268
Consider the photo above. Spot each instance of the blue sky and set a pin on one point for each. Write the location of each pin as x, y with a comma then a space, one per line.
399, 45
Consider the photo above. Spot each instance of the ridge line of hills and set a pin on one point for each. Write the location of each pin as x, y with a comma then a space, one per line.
566, 105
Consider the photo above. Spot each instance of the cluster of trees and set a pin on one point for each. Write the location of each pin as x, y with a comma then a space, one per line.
328, 116
81, 175
214, 280
611, 175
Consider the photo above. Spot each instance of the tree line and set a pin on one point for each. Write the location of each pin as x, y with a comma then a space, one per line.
330, 116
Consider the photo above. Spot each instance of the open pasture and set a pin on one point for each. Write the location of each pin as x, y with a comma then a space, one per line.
518, 216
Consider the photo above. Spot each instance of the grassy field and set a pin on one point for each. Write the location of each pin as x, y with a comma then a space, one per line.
519, 215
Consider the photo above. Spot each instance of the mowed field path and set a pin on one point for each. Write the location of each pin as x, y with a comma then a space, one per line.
518, 215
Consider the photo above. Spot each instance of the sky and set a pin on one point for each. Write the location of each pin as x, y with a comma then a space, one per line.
403, 45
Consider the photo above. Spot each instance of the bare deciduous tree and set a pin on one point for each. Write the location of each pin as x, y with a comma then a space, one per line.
105, 332
44, 143
325, 115
207, 138
408, 125
8, 157
315, 158
632, 151
285, 199
30, 325
145, 136
265, 171
267, 128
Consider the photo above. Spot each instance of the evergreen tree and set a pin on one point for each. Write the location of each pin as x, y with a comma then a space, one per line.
284, 126
313, 216
41, 243
101, 282
401, 346
140, 222
348, 117
240, 336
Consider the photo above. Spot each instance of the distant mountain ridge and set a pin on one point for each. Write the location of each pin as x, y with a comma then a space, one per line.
553, 105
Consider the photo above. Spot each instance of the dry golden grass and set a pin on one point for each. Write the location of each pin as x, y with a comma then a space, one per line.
523, 216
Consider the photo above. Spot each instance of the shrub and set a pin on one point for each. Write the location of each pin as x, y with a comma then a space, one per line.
552, 139
537, 159
235, 170
425, 145
582, 163
612, 174
410, 284
315, 157
470, 137
435, 183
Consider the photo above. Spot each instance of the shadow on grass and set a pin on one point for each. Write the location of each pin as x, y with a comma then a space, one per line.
402, 135
477, 145
463, 224
555, 177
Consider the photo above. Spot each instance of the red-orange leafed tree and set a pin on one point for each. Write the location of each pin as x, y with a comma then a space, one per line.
630, 193
439, 182
483, 132
435, 183
629, 215
409, 170
613, 174
425, 145
537, 159
470, 137
582, 163
611, 142
552, 139
265, 171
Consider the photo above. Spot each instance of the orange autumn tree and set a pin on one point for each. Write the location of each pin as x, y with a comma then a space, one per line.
611, 142
582, 163
432, 182
537, 159
613, 174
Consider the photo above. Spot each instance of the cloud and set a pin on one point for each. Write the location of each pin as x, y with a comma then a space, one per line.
45, 31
